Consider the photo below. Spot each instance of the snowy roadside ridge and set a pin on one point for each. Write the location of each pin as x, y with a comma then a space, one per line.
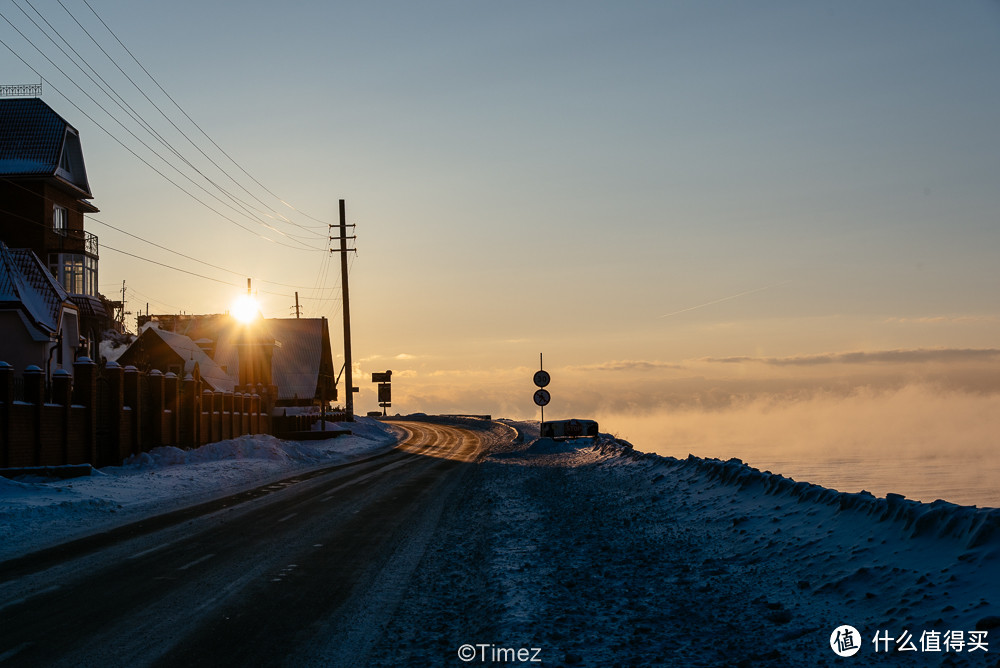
263, 447
940, 518
36, 513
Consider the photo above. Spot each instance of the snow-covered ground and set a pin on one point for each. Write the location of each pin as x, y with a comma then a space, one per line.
591, 553
36, 513
599, 555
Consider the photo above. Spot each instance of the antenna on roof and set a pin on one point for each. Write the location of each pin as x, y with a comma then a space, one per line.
21, 90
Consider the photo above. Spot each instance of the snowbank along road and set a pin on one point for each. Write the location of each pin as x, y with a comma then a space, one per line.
304, 575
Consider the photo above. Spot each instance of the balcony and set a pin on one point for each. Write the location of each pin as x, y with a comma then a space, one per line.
72, 241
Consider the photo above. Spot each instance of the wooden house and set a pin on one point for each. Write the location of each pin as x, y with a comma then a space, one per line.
292, 354
45, 193
169, 352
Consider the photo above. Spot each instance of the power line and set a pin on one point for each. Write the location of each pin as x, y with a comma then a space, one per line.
168, 266
31, 221
189, 257
181, 131
161, 264
191, 273
140, 296
127, 148
136, 117
193, 122
130, 111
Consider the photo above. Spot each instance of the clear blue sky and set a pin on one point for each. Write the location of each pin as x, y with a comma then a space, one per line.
651, 183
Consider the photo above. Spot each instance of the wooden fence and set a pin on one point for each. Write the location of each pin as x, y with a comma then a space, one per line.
102, 415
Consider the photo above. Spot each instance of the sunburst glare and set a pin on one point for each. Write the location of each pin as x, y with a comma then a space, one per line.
245, 309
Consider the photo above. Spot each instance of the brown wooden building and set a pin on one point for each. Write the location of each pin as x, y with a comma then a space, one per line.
44, 194
293, 354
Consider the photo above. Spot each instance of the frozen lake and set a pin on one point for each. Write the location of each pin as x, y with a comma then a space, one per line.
961, 470
968, 483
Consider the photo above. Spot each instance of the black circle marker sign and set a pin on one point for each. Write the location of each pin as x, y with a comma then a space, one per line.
542, 397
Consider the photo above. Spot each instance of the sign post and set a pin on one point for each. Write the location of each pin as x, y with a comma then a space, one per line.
542, 396
384, 389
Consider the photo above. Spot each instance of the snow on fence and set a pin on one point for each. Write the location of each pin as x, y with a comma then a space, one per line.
103, 415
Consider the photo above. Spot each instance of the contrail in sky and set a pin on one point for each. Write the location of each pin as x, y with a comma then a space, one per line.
725, 299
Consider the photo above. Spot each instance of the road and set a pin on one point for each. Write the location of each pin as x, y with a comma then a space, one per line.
307, 574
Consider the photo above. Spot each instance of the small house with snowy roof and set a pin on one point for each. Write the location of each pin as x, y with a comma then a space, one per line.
39, 323
169, 352
293, 354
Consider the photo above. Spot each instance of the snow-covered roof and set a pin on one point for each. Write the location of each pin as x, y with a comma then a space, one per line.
25, 283
36, 141
191, 352
299, 355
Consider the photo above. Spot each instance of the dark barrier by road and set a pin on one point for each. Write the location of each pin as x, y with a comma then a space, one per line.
101, 415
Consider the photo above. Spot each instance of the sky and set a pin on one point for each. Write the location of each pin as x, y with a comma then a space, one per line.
685, 206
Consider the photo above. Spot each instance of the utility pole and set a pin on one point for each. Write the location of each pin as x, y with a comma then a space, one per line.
122, 312
298, 310
348, 362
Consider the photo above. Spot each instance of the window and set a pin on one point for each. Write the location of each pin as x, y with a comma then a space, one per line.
59, 219
76, 273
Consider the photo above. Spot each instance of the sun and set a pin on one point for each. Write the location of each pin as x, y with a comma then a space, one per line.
245, 309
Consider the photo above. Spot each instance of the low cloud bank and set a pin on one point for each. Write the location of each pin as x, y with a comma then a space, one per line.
917, 356
645, 388
923, 422
913, 420
918, 440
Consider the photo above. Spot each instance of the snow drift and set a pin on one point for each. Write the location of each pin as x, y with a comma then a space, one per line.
37, 512
877, 563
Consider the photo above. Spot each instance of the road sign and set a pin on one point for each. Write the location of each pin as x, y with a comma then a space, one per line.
542, 378
542, 397
384, 388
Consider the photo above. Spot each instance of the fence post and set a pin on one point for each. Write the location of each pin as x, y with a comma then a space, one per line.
62, 394
85, 394
227, 414
155, 409
112, 451
34, 394
189, 414
266, 402
237, 414
6, 399
254, 413
132, 397
245, 424
205, 417
172, 403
